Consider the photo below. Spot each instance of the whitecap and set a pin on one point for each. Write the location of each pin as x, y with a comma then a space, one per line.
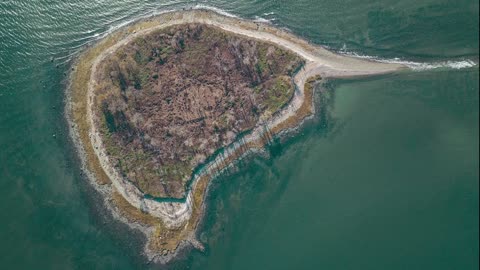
466, 63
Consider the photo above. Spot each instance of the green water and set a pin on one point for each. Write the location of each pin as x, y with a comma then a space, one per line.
386, 177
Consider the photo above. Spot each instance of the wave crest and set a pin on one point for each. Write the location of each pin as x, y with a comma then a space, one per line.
467, 63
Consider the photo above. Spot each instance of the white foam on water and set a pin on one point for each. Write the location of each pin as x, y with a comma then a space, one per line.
217, 10
426, 66
263, 20
416, 65
115, 27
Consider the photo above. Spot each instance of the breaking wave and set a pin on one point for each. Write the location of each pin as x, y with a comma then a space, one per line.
448, 64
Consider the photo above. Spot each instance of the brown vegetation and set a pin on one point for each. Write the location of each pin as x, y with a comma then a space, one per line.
169, 99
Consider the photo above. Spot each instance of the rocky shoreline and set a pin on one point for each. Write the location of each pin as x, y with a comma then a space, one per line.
186, 215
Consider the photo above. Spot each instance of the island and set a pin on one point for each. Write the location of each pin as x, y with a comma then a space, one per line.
161, 106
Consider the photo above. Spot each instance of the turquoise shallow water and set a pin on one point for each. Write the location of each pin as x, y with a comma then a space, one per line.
385, 178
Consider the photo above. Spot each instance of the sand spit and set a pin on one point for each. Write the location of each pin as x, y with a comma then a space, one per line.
318, 62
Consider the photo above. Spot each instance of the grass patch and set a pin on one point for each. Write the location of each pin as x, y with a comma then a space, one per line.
278, 94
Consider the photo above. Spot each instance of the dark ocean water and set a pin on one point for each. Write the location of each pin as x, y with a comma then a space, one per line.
385, 178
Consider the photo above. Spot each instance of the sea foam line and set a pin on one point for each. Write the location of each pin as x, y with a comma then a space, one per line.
419, 66
148, 14
263, 20
427, 66
215, 9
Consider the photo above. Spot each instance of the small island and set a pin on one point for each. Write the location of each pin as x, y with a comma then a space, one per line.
160, 107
